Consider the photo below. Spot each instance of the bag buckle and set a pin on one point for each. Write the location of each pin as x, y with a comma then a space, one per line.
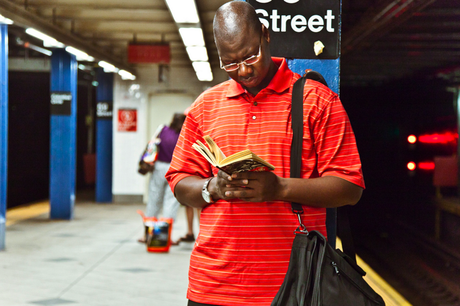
302, 228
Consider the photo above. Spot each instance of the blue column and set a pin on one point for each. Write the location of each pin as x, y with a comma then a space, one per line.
3, 129
104, 135
63, 130
330, 69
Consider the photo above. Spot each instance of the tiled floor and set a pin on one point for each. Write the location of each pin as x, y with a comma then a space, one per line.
94, 259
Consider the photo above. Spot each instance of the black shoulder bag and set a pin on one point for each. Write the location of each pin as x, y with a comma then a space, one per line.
318, 274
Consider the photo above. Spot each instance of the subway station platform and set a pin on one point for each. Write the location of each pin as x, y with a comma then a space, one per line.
95, 259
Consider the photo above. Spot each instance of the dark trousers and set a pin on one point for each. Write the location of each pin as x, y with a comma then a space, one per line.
192, 303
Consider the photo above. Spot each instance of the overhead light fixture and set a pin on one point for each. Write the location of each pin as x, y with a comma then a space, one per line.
38, 49
126, 75
53, 44
48, 41
197, 53
201, 66
134, 87
192, 37
203, 71
81, 56
5, 20
183, 11
108, 67
205, 76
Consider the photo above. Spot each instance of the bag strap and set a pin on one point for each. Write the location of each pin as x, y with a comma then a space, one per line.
158, 131
343, 224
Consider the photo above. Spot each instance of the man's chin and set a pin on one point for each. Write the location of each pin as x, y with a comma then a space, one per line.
249, 83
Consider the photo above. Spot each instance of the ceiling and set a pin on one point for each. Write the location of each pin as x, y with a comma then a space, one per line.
386, 40
381, 40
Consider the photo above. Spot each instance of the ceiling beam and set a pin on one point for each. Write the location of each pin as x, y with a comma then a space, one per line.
130, 5
105, 14
151, 40
424, 36
25, 18
416, 45
379, 20
106, 19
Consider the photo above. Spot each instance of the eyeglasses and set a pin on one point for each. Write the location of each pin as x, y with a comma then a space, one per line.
249, 61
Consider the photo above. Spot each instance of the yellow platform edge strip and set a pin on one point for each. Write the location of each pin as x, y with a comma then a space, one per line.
388, 293
18, 214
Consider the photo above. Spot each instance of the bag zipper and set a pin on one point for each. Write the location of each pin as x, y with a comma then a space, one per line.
337, 271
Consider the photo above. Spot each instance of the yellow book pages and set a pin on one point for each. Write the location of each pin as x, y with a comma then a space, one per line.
201, 148
214, 148
245, 155
236, 157
241, 161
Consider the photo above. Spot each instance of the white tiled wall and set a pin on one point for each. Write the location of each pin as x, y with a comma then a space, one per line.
127, 146
156, 102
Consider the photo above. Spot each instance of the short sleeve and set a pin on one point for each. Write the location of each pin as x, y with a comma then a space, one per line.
186, 161
334, 140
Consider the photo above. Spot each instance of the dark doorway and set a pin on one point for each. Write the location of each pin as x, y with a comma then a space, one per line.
28, 137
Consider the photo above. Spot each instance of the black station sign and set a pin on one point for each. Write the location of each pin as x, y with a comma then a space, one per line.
104, 110
61, 103
297, 27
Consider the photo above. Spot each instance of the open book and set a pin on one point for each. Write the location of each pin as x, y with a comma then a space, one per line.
244, 160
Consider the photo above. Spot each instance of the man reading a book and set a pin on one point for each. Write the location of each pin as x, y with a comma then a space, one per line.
246, 228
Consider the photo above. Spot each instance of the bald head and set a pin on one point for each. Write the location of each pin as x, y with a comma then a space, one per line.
234, 19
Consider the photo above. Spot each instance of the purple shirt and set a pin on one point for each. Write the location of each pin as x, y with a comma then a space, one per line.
168, 142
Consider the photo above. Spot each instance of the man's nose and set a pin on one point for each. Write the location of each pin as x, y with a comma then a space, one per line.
244, 70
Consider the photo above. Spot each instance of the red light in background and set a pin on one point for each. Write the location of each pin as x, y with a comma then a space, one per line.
443, 138
427, 165
412, 139
411, 166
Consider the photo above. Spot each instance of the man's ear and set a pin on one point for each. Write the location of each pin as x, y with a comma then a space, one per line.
266, 33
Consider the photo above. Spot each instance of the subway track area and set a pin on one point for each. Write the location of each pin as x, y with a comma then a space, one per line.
424, 271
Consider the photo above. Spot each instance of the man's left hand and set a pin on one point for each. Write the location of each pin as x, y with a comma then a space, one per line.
253, 186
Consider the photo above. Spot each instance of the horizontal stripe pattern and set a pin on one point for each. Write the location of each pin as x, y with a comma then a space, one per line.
242, 252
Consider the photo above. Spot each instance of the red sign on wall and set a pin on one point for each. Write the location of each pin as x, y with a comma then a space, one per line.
149, 54
127, 120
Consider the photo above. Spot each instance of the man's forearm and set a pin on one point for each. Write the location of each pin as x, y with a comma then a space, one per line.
326, 191
188, 191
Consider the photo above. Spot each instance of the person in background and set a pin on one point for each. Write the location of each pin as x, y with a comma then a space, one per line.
242, 251
189, 236
160, 195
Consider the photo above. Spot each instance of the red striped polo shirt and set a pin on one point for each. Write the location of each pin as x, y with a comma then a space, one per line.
242, 252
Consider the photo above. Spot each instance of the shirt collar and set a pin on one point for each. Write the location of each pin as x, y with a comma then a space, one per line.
280, 82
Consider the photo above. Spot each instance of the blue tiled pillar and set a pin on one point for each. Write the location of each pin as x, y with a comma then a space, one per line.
63, 130
104, 135
3, 129
330, 69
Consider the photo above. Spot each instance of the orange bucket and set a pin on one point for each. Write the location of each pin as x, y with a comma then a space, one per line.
157, 233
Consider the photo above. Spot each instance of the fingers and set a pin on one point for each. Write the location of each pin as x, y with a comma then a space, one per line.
240, 194
234, 183
246, 186
232, 180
